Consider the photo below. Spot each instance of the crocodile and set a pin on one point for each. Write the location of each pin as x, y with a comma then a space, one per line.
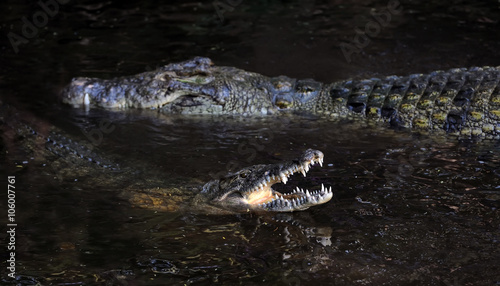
27, 138
464, 102
247, 190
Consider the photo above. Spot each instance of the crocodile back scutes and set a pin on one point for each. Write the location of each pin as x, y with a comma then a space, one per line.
463, 102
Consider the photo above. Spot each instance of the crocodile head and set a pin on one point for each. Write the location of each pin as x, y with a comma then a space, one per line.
250, 189
195, 86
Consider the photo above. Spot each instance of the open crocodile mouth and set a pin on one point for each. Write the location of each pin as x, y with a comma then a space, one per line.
262, 196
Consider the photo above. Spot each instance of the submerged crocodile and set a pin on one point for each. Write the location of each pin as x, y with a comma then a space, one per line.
463, 102
249, 189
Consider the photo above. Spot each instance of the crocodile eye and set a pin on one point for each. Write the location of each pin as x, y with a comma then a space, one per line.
243, 175
305, 89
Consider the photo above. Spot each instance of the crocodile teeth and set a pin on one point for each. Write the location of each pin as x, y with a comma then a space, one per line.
306, 167
303, 171
86, 100
284, 179
320, 161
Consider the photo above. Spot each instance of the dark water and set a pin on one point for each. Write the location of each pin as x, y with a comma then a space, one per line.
408, 209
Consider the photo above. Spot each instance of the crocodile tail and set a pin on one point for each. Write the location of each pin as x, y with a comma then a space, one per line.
463, 102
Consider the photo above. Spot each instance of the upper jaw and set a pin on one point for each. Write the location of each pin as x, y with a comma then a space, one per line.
263, 197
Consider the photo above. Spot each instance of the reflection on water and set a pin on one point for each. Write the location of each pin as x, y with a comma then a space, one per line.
407, 208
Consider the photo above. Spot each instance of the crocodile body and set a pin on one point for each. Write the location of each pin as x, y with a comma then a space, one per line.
463, 102
249, 189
